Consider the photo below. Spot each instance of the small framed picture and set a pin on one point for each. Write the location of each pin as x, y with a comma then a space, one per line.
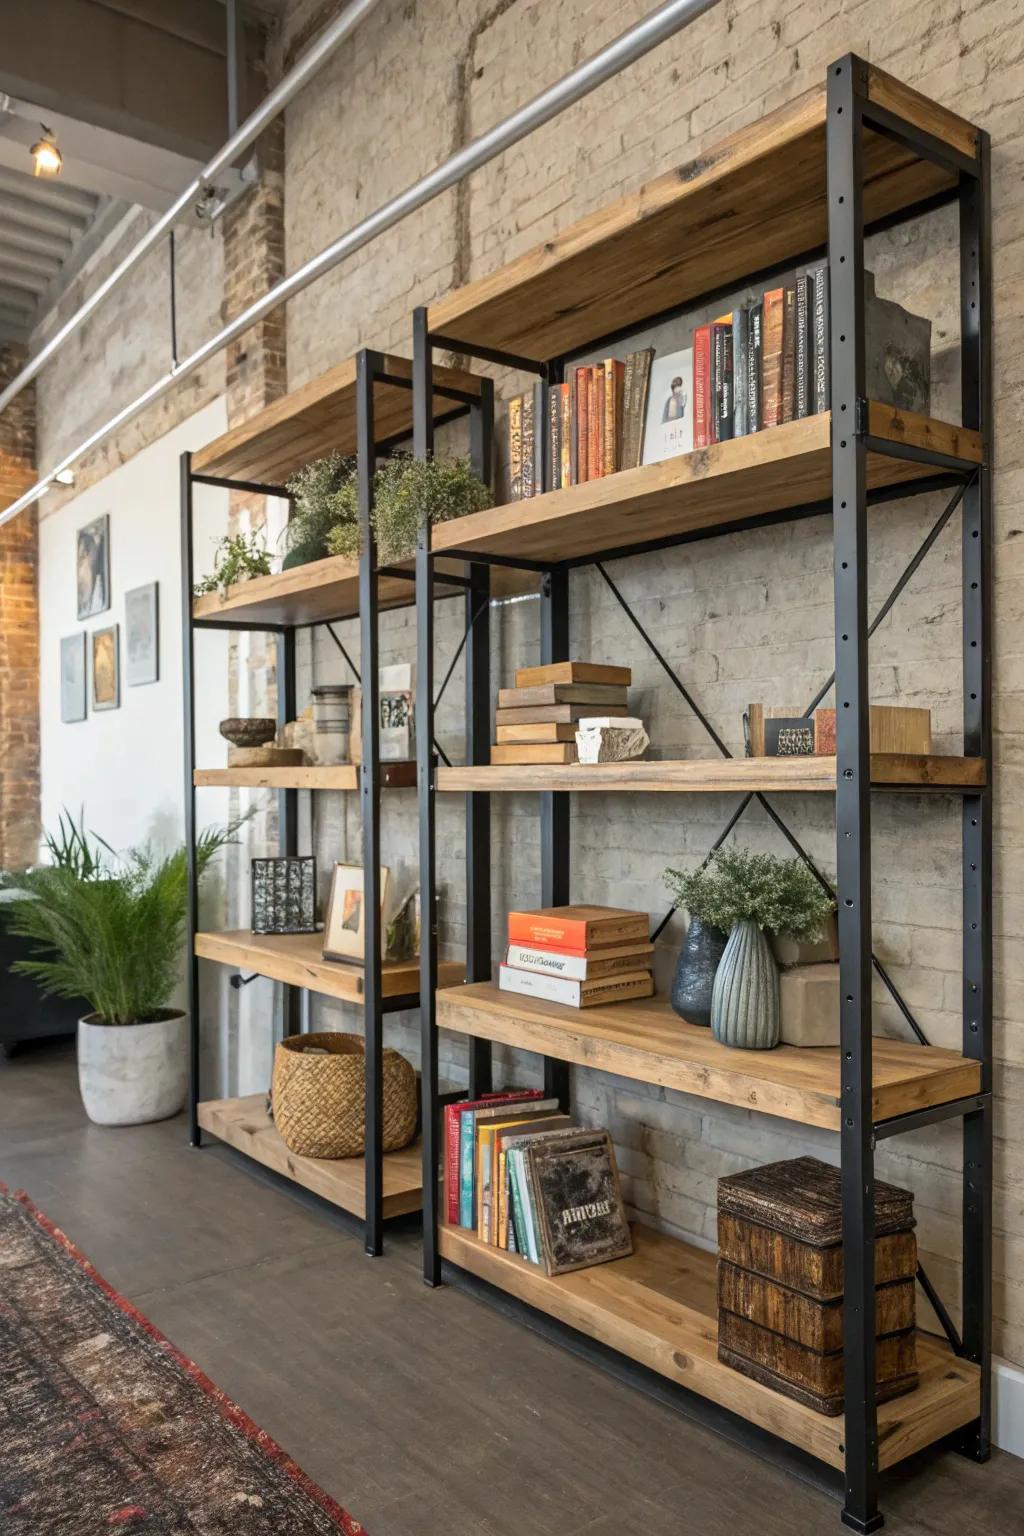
92, 567
345, 918
106, 672
669, 426
72, 678
142, 635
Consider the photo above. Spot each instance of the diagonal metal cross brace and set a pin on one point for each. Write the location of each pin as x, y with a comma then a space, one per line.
905, 577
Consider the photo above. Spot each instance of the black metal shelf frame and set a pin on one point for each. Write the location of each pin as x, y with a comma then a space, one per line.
849, 113
371, 370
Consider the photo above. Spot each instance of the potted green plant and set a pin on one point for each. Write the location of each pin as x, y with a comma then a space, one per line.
110, 929
744, 893
409, 494
237, 557
325, 513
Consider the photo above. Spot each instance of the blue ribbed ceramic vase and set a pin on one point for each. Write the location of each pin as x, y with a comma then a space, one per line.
745, 996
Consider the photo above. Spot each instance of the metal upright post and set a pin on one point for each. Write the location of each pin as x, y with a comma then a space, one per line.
976, 856
288, 800
554, 807
369, 782
846, 89
478, 710
423, 447
189, 736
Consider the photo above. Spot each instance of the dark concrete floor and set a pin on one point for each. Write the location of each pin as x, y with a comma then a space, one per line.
426, 1413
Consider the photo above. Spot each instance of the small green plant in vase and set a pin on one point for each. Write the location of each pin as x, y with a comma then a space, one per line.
236, 558
744, 893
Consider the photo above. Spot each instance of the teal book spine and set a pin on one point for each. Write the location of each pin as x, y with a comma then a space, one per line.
516, 1229
467, 1142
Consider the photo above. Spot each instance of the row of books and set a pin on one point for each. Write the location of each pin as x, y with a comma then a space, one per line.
580, 956
594, 422
536, 721
523, 1177
764, 363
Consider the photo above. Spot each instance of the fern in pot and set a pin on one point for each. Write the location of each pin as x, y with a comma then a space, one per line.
744, 893
110, 929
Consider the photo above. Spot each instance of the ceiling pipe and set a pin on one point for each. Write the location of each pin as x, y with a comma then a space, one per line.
625, 50
250, 130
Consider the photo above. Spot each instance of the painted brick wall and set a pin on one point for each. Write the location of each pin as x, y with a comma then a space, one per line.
19, 626
746, 616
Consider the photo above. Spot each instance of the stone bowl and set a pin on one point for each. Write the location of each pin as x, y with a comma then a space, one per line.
248, 733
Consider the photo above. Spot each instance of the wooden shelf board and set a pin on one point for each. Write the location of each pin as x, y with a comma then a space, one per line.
757, 198
765, 473
659, 1307
245, 1125
302, 776
297, 960
714, 775
317, 419
645, 1040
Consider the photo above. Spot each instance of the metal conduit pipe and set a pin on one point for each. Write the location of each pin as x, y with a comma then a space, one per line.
625, 50
247, 133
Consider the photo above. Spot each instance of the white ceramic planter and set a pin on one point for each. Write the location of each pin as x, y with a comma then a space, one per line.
130, 1074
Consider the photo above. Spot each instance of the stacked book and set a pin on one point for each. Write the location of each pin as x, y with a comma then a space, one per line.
522, 1177
580, 956
536, 721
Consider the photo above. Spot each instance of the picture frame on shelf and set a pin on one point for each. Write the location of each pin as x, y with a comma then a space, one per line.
668, 427
92, 567
73, 668
284, 894
142, 635
345, 916
106, 668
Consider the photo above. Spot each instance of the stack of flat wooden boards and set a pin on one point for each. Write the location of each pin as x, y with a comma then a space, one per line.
780, 1282
536, 720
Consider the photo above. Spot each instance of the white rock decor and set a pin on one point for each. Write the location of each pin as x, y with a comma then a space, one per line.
607, 739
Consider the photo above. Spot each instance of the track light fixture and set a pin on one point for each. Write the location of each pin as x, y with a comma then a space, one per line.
47, 159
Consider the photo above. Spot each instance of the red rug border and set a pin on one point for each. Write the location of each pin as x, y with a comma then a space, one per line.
224, 1404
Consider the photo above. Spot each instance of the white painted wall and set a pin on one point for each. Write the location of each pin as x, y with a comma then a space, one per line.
125, 765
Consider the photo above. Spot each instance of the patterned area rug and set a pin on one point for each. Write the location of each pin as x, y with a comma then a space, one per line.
105, 1427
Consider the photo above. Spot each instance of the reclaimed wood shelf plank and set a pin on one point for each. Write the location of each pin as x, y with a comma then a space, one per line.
713, 776
759, 197
320, 418
401, 775
760, 475
297, 960
659, 1307
645, 1040
245, 1125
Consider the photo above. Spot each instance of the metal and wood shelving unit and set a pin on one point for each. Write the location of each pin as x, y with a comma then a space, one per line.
362, 407
851, 156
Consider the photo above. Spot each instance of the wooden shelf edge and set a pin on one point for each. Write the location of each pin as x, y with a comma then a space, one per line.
658, 1308
816, 775
645, 1041
296, 959
336, 776
243, 1124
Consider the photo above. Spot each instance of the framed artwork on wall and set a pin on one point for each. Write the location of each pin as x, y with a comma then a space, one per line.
72, 678
345, 919
106, 676
142, 635
92, 567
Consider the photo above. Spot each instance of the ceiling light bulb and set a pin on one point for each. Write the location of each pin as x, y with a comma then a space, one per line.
65, 477
46, 157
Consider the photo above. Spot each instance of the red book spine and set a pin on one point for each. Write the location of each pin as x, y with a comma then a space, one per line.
702, 386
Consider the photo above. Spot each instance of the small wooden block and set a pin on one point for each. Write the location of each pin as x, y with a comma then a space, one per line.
807, 1321
894, 729
810, 1378
816, 1272
573, 672
809, 1005
265, 757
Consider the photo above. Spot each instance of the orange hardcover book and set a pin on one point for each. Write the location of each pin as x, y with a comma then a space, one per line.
614, 377
771, 357
595, 439
577, 929
582, 424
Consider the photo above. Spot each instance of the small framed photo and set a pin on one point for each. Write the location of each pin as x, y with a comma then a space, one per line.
92, 567
72, 678
142, 635
106, 671
345, 918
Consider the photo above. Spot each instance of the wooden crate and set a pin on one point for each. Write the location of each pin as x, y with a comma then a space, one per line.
780, 1282
806, 1375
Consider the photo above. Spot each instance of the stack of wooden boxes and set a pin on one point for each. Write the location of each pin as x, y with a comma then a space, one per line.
536, 720
780, 1282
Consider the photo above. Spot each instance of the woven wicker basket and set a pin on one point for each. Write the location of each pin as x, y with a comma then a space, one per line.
319, 1101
